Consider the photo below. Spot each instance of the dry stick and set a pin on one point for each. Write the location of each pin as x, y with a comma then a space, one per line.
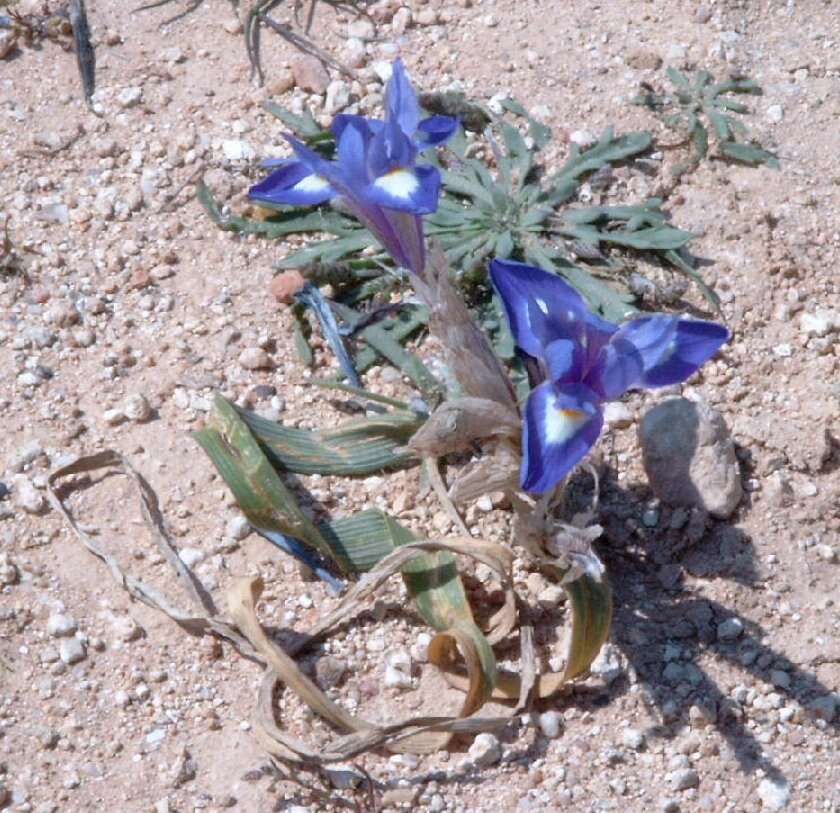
439, 488
170, 199
307, 46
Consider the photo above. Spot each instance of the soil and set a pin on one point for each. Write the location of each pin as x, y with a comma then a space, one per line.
119, 285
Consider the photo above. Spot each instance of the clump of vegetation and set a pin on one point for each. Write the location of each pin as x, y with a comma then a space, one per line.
701, 110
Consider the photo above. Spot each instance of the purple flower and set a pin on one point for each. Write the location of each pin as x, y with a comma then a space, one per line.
586, 361
375, 172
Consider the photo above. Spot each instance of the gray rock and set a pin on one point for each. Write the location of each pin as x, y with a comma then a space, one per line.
255, 358
730, 629
184, 769
130, 97
9, 573
774, 795
71, 651
60, 625
685, 778
136, 408
27, 496
825, 708
338, 96
551, 724
486, 750
361, 30
633, 738
237, 528
689, 457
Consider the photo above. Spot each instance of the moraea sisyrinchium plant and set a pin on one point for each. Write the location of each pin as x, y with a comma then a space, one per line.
375, 172
583, 362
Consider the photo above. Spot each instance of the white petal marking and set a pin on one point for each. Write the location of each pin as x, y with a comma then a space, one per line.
398, 183
312, 183
542, 305
562, 424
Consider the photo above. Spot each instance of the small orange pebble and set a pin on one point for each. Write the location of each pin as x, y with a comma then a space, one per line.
284, 286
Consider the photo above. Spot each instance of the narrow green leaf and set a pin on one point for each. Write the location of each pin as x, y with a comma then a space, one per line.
591, 604
749, 154
328, 251
304, 125
700, 140
719, 122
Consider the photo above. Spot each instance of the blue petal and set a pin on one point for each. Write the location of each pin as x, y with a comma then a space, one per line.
352, 155
561, 425
340, 122
292, 183
563, 358
694, 342
540, 306
637, 346
401, 100
435, 130
407, 189
390, 148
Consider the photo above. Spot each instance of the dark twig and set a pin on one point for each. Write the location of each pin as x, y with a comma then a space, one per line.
85, 55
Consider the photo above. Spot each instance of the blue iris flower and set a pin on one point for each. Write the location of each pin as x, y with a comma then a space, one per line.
375, 172
585, 362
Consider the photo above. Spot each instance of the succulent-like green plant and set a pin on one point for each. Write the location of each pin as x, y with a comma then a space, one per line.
699, 105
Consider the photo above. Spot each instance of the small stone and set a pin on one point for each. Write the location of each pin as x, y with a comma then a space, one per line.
551, 724
633, 738
780, 679
338, 97
237, 149
583, 138
71, 651
310, 74
783, 350
191, 556
60, 625
643, 60
255, 358
826, 552
397, 679
730, 630
608, 664
329, 671
129, 97
775, 113
362, 29
401, 21
427, 16
285, 285
774, 794
486, 750
113, 417
282, 82
136, 408
122, 699
618, 415
689, 457
125, 628
685, 779
237, 528
824, 708
184, 769
820, 323
650, 517
26, 495
9, 573
676, 52
420, 650
233, 26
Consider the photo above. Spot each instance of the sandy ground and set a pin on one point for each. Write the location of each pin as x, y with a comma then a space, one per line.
128, 292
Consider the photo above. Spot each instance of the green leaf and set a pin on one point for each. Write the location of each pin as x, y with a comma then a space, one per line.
387, 346
591, 605
328, 251
358, 448
719, 122
261, 494
700, 140
677, 260
304, 126
678, 79
749, 154
459, 182
539, 132
608, 150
